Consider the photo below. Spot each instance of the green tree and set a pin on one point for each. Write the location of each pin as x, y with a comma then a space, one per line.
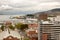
24, 26
26, 38
2, 27
18, 25
11, 27
30, 15
21, 26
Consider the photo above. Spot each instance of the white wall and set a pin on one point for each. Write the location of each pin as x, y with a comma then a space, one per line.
57, 18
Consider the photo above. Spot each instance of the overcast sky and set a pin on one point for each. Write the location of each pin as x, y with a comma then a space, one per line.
28, 5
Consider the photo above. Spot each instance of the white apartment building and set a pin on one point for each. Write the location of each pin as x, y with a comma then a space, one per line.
51, 28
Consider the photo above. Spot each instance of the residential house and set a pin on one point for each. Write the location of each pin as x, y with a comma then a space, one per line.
32, 34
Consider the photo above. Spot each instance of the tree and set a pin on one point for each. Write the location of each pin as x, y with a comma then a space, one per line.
26, 38
11, 27
2, 27
30, 15
18, 25
21, 26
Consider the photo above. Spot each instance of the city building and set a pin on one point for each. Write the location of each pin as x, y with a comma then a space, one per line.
49, 29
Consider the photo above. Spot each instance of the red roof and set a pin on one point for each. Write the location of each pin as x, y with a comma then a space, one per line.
32, 32
33, 25
8, 23
10, 38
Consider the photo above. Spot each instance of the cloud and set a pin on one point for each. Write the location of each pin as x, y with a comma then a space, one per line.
18, 3
23, 3
42, 6
48, 5
29, 5
5, 7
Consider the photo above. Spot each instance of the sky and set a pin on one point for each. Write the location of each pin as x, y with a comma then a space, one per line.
27, 6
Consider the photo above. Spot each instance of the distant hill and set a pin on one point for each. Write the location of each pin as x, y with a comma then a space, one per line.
15, 12
55, 11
